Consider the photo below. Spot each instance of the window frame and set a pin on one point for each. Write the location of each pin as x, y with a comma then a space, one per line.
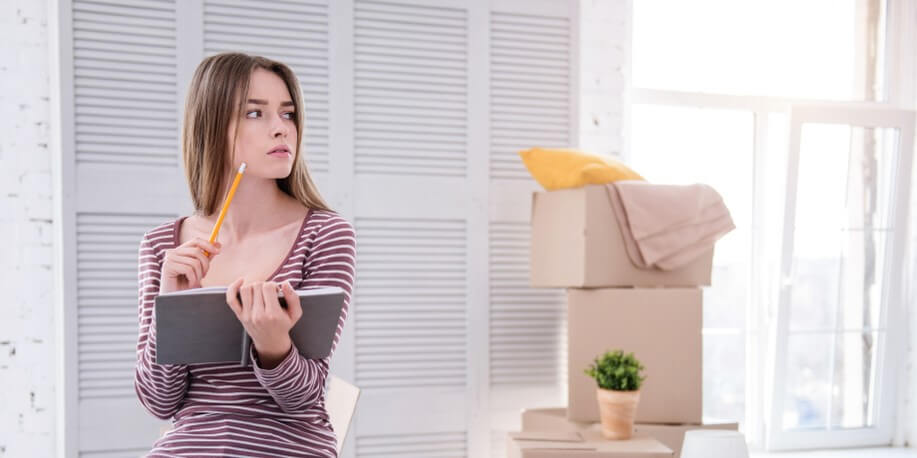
892, 311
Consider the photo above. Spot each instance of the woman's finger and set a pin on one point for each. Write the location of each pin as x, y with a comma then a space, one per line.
294, 309
196, 265
186, 257
257, 303
205, 245
183, 266
271, 301
193, 252
196, 254
247, 303
197, 248
232, 297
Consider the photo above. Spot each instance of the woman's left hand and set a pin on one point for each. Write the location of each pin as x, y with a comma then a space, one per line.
266, 322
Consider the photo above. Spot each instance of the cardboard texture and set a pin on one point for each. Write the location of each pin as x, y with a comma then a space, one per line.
674, 435
553, 420
661, 326
576, 243
591, 445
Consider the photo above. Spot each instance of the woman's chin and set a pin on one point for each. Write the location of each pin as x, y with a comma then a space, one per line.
269, 170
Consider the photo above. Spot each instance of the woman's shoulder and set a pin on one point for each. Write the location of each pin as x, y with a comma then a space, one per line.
328, 226
320, 221
160, 236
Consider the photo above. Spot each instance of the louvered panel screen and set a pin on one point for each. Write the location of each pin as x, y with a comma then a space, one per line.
410, 77
124, 69
529, 88
107, 288
527, 325
410, 325
295, 33
449, 444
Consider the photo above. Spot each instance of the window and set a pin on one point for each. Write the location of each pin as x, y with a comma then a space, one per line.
834, 370
813, 49
714, 82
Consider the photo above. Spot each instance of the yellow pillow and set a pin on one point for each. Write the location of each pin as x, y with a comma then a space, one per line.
561, 168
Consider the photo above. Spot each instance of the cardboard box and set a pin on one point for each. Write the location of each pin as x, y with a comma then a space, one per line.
661, 326
554, 420
576, 243
587, 444
674, 435
547, 419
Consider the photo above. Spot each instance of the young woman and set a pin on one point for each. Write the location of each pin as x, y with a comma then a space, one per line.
278, 235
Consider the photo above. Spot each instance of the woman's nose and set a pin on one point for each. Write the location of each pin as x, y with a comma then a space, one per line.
278, 128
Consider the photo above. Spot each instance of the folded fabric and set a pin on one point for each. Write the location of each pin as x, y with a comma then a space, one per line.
668, 226
563, 168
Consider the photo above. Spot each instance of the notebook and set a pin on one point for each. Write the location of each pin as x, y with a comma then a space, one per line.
197, 326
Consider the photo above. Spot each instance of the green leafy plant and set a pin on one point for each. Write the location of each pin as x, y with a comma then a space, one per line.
617, 371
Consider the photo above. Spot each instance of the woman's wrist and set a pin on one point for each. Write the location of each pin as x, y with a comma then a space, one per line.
271, 354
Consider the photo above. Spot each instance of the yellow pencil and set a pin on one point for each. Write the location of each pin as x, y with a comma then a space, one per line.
232, 191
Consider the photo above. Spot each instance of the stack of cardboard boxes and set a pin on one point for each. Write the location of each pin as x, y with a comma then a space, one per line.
657, 315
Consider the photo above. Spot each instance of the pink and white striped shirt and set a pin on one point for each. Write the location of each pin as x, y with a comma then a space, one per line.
228, 410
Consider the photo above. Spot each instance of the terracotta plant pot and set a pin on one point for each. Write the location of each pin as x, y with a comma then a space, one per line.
617, 410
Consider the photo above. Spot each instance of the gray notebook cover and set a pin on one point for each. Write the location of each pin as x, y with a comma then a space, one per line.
197, 326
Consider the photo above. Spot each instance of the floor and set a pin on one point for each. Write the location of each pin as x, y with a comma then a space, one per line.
843, 453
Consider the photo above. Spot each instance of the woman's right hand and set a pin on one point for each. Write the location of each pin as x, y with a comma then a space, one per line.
185, 265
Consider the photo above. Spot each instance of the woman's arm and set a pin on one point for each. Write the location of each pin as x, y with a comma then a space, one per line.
160, 387
297, 382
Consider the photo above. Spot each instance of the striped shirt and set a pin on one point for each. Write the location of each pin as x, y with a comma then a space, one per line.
228, 410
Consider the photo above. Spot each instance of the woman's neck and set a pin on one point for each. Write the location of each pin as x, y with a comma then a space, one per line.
257, 206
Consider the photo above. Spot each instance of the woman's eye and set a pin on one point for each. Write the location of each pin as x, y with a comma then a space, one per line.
257, 113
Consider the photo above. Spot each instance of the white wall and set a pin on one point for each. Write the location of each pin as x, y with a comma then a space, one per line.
605, 40
27, 345
26, 330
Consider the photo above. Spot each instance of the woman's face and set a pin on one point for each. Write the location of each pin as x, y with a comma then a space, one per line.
266, 139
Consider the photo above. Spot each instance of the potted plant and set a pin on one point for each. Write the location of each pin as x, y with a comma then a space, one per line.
619, 377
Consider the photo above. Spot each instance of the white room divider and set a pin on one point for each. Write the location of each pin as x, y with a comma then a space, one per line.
415, 110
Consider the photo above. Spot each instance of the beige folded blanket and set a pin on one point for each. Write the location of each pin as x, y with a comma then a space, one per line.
668, 226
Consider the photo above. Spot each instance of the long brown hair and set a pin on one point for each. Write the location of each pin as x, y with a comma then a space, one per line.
216, 95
